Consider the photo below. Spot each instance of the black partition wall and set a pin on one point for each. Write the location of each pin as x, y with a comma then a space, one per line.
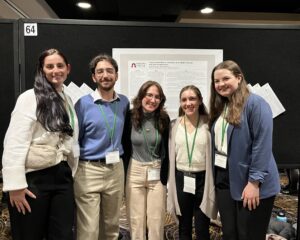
266, 53
9, 85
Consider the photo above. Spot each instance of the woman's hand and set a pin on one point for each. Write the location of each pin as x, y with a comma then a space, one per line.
250, 195
18, 200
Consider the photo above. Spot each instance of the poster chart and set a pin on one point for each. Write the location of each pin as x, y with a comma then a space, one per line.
171, 68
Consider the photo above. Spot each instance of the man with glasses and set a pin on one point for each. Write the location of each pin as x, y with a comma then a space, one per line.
99, 181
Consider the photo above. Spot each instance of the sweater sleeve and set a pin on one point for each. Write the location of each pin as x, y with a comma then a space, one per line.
17, 141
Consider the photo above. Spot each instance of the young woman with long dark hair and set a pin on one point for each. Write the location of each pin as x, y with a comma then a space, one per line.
40, 155
191, 192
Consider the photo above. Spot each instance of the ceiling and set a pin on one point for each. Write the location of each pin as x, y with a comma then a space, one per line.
164, 10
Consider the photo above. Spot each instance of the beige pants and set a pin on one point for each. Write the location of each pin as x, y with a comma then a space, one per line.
145, 203
98, 194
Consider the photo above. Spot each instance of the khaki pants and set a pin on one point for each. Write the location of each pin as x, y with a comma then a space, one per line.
98, 194
145, 203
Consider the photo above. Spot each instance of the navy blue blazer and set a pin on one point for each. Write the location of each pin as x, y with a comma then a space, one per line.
250, 156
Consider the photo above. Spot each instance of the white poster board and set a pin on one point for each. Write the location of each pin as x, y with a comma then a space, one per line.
171, 68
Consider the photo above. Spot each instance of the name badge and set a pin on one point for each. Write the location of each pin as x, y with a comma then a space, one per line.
221, 160
189, 184
153, 174
112, 157
76, 150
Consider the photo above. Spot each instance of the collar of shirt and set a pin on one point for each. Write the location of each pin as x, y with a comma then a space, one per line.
97, 97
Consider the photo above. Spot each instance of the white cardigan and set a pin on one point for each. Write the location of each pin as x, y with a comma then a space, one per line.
208, 204
24, 130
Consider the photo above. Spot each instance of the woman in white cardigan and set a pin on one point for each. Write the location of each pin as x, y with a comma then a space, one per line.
40, 154
191, 190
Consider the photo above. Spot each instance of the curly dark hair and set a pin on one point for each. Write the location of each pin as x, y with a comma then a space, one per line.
102, 57
160, 114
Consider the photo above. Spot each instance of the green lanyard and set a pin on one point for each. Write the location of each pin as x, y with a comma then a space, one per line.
72, 116
151, 150
111, 130
70, 111
224, 126
190, 154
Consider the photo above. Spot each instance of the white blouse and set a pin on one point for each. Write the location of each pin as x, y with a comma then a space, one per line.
199, 153
24, 130
220, 124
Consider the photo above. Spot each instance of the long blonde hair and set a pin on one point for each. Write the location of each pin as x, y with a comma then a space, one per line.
237, 100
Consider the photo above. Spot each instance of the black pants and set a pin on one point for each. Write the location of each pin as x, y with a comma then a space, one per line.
238, 223
52, 212
189, 207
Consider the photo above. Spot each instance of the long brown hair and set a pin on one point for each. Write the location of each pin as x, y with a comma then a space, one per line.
202, 108
237, 99
160, 115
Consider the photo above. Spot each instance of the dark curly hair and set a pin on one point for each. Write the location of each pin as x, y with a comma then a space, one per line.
160, 114
102, 57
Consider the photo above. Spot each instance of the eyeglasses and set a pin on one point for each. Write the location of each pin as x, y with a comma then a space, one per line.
101, 71
150, 96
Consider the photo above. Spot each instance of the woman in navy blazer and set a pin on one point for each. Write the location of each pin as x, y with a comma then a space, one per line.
245, 173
